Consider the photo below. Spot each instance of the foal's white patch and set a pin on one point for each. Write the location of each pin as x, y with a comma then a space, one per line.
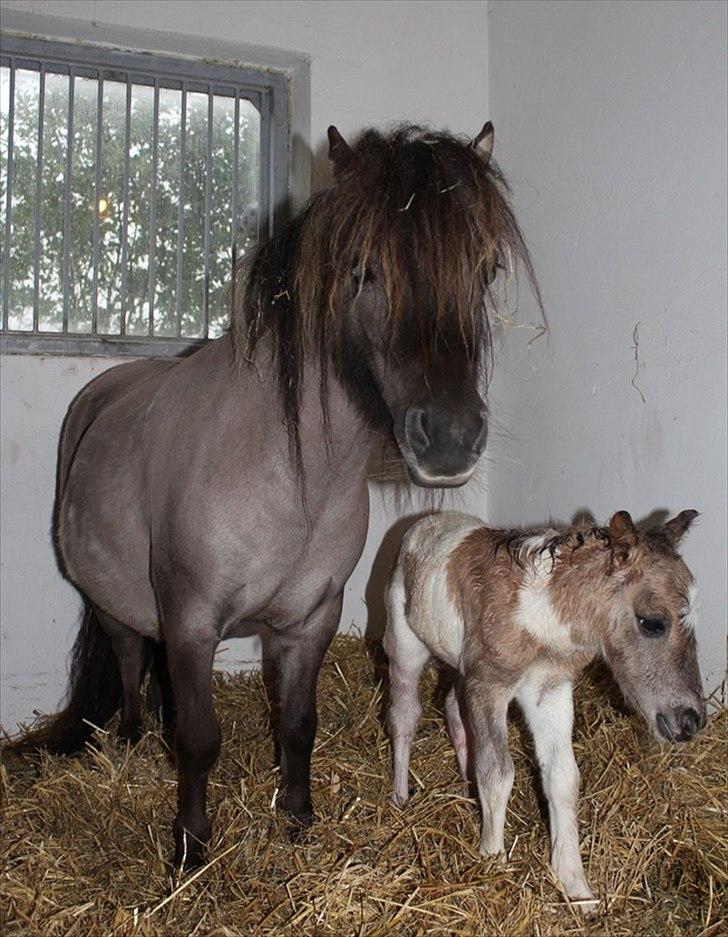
433, 617
535, 612
690, 618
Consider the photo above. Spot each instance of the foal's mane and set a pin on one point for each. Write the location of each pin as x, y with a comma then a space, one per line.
429, 214
526, 546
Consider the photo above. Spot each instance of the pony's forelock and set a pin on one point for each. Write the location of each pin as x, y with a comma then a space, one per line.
422, 209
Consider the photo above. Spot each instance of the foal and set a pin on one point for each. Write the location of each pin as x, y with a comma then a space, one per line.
518, 614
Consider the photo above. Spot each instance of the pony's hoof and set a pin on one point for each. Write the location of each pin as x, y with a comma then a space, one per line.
129, 735
300, 818
190, 851
189, 855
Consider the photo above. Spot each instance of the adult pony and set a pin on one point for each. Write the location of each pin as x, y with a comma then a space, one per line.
198, 497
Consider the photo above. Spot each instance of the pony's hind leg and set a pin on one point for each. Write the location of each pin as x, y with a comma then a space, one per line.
298, 660
407, 658
160, 695
456, 727
487, 709
130, 651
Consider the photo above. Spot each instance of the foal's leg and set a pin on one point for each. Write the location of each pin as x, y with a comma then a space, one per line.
407, 658
298, 658
550, 713
457, 731
128, 647
190, 653
487, 712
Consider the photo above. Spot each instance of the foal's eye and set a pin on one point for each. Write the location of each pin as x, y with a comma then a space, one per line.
653, 627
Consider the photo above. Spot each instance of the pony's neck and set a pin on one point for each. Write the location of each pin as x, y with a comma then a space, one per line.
581, 591
331, 424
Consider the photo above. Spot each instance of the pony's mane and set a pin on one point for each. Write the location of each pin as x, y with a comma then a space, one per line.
423, 209
526, 546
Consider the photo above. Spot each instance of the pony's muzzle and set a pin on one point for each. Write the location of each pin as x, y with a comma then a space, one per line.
681, 724
444, 444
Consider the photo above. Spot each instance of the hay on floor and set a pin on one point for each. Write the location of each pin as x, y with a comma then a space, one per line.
86, 841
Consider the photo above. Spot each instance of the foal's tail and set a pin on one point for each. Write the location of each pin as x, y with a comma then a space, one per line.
93, 695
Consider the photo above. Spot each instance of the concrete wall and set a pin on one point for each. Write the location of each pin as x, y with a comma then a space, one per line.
353, 64
611, 117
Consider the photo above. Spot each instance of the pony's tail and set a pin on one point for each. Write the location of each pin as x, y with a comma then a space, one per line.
93, 696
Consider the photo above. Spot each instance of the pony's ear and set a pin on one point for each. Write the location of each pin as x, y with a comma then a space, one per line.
483, 143
339, 150
622, 536
678, 526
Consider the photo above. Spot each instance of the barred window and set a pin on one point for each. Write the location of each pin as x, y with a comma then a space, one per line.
126, 180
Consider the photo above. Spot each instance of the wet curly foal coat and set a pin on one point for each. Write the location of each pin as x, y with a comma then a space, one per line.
518, 615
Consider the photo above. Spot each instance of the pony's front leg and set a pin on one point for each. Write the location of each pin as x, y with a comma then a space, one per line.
190, 651
298, 658
487, 710
549, 712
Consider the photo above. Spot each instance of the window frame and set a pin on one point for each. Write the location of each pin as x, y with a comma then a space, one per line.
267, 89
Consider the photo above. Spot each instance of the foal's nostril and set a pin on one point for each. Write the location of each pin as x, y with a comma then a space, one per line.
664, 727
689, 722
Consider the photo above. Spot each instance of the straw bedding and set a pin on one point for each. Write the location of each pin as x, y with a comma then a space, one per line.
86, 841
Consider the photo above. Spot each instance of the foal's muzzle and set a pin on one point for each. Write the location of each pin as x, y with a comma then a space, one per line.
443, 445
681, 724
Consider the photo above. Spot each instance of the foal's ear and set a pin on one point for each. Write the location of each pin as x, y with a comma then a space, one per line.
483, 143
340, 152
678, 526
622, 536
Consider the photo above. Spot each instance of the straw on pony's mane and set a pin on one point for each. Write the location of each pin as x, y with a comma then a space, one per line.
526, 546
429, 216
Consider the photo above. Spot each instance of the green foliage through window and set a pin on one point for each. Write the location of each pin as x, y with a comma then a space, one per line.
144, 252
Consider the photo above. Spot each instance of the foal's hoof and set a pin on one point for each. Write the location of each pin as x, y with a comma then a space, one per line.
588, 907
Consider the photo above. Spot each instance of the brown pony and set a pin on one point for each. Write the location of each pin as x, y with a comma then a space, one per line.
201, 497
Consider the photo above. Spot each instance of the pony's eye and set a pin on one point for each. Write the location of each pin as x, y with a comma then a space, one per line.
653, 627
359, 274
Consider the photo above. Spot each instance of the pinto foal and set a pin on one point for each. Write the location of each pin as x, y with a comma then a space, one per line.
518, 615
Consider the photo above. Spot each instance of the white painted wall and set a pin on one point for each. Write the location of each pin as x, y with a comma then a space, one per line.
370, 63
611, 120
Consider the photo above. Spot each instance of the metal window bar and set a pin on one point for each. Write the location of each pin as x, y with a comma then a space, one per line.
38, 199
236, 177
181, 212
8, 197
125, 215
153, 209
266, 90
97, 203
208, 191
68, 182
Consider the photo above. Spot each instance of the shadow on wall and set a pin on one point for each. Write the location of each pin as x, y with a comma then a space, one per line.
381, 569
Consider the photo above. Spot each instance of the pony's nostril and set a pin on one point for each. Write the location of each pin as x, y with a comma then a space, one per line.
689, 722
663, 726
481, 433
415, 425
